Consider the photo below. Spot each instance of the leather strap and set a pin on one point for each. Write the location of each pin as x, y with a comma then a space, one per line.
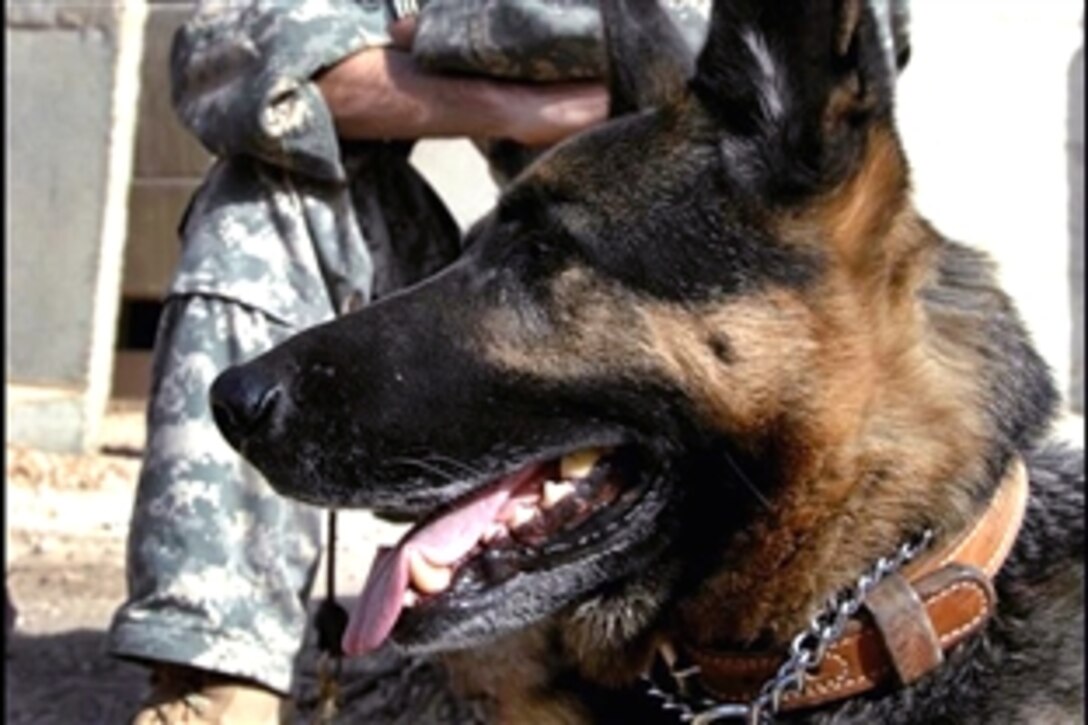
898, 612
987, 544
911, 618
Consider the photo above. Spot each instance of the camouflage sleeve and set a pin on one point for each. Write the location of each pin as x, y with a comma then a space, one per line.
537, 40
242, 76
551, 40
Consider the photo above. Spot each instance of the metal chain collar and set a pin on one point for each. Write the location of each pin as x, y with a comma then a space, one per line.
806, 651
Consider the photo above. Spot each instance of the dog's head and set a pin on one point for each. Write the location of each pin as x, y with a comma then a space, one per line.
681, 358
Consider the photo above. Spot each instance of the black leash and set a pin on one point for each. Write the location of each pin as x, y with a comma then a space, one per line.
330, 621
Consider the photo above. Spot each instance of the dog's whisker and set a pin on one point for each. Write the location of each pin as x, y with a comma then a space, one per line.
743, 477
425, 466
472, 472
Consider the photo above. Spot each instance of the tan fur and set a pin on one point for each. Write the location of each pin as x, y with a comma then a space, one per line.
591, 328
853, 221
513, 677
608, 643
845, 376
873, 415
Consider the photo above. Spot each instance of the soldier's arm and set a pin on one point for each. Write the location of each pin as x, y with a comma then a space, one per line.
382, 93
242, 76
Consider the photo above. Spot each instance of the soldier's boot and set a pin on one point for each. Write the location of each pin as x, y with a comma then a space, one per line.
184, 695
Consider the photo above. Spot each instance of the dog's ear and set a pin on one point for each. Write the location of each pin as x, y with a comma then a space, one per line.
649, 63
797, 80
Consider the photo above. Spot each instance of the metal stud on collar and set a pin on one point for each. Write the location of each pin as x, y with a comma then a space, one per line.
806, 651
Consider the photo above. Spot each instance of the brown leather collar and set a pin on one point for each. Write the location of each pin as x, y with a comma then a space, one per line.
909, 620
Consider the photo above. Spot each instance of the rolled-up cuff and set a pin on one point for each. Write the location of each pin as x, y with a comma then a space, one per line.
172, 640
297, 132
243, 78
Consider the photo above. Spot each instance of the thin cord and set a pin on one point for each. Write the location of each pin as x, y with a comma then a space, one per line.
330, 571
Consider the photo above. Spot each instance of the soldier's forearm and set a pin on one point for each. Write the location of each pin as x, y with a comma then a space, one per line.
380, 93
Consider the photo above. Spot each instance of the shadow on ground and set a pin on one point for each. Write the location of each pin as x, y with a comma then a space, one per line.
67, 677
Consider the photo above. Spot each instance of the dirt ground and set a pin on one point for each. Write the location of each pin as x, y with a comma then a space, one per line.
67, 519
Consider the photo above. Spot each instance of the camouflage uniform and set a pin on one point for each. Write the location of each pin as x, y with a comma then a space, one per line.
290, 227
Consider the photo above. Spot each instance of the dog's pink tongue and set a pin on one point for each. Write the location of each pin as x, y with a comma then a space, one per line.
380, 603
443, 542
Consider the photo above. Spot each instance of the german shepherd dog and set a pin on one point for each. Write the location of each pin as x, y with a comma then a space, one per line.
700, 368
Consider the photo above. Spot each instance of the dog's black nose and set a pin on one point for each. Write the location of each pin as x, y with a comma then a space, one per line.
243, 400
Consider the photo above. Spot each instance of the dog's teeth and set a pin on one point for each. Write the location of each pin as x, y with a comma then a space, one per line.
522, 515
410, 598
494, 532
517, 513
578, 464
554, 492
427, 577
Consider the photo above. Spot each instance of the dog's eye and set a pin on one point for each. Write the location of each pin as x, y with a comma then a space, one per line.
517, 211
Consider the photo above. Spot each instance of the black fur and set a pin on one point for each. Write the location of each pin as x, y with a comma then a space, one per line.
673, 208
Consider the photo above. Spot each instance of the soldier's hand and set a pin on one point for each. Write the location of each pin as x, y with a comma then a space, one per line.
380, 93
546, 113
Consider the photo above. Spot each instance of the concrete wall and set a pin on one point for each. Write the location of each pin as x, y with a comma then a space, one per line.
71, 85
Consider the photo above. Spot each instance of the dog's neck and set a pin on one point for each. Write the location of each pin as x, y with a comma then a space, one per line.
889, 443
918, 608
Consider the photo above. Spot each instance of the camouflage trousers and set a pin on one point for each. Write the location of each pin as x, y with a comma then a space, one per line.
219, 565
